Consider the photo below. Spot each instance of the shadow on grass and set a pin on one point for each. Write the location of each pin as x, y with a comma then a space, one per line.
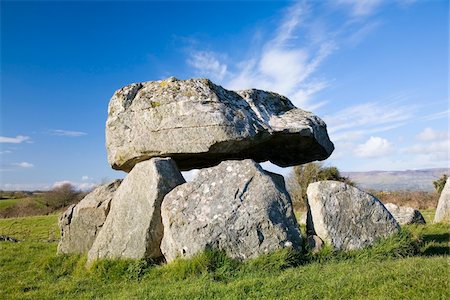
436, 250
439, 238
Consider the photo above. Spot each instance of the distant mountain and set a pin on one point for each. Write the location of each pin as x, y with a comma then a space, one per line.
412, 180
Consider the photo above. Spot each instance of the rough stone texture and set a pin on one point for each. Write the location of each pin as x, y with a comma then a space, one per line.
133, 228
199, 124
443, 208
236, 207
80, 223
405, 215
346, 217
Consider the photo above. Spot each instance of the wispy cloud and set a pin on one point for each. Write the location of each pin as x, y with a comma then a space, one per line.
69, 133
438, 115
15, 140
24, 164
361, 7
6, 152
207, 64
281, 64
373, 116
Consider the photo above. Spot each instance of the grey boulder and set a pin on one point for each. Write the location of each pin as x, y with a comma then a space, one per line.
405, 215
346, 217
443, 208
235, 207
81, 223
133, 228
199, 124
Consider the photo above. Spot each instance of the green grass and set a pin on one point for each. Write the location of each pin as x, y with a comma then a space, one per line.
411, 265
4, 203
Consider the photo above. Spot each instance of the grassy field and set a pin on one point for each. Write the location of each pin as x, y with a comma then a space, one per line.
413, 265
4, 203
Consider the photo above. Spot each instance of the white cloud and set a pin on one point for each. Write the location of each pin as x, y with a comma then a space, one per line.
24, 164
24, 186
361, 7
374, 147
281, 64
60, 132
85, 178
435, 147
429, 134
14, 140
207, 64
6, 152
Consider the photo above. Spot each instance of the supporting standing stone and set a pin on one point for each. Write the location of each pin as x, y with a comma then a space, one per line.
133, 228
236, 207
81, 223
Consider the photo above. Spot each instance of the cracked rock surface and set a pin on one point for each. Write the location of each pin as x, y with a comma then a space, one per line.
346, 217
199, 124
81, 223
236, 207
133, 228
405, 215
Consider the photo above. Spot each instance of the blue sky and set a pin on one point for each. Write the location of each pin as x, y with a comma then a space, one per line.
376, 71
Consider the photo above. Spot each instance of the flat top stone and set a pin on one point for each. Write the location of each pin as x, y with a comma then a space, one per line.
200, 124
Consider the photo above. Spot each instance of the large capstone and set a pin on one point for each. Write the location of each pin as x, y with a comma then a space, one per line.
81, 223
235, 207
443, 208
346, 217
199, 124
133, 228
405, 215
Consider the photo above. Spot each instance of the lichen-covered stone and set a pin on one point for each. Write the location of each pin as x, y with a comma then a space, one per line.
133, 228
199, 124
346, 217
235, 207
443, 208
405, 215
81, 223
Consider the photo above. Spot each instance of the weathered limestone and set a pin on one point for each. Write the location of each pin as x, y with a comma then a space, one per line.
80, 223
405, 215
346, 217
443, 208
236, 207
199, 124
133, 228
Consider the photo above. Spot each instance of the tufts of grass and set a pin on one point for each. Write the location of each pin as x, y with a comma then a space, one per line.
275, 261
212, 264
